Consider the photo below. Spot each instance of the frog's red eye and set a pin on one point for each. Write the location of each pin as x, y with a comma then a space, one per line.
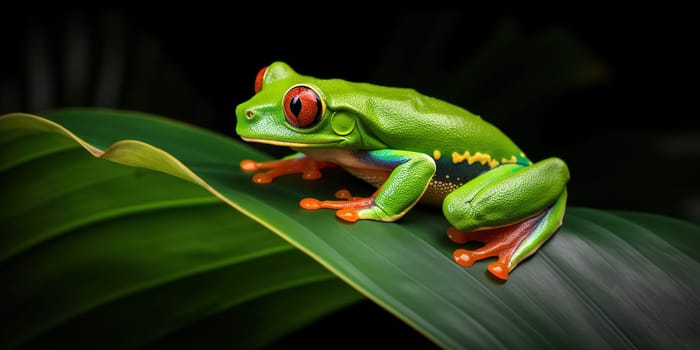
303, 107
259, 79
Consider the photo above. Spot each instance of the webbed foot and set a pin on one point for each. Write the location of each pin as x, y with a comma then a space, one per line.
349, 208
309, 168
499, 242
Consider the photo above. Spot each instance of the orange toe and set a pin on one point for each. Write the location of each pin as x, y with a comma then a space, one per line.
349, 215
343, 194
499, 270
463, 257
456, 235
310, 203
262, 178
312, 175
249, 165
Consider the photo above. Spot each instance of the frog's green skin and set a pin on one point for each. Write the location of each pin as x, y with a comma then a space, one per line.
412, 148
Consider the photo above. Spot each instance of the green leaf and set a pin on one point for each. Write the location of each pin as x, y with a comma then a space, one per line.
606, 279
97, 254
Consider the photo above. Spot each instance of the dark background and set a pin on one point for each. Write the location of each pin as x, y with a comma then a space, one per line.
630, 137
630, 134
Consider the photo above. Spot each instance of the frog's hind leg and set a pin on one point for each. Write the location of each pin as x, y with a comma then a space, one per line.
512, 243
511, 208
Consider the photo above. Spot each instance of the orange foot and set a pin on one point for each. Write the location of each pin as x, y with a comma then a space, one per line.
347, 207
309, 168
498, 242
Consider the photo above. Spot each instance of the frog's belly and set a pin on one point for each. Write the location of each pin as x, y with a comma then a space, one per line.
440, 184
375, 177
434, 194
437, 191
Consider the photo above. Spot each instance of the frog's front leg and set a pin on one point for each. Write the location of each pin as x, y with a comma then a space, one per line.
513, 209
297, 163
401, 177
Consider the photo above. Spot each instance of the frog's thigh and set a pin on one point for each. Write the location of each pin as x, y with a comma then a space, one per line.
506, 194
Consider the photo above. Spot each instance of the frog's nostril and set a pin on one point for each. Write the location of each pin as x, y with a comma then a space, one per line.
249, 114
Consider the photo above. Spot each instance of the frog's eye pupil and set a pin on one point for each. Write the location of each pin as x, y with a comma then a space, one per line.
259, 79
295, 106
303, 108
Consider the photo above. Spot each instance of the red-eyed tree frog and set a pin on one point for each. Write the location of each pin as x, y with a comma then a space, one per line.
413, 148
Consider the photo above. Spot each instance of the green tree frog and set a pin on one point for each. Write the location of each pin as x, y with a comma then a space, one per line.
413, 148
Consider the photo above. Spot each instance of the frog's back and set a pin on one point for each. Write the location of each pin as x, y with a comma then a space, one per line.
462, 144
406, 119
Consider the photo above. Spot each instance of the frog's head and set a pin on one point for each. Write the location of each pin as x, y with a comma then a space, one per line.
290, 109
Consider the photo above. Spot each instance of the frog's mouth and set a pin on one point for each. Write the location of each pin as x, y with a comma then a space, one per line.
288, 143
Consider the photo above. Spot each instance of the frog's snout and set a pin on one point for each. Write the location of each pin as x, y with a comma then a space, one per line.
247, 111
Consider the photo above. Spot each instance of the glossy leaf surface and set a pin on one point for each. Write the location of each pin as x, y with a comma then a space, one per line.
606, 279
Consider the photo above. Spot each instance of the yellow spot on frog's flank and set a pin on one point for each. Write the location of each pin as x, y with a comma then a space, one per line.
447, 177
437, 154
482, 158
506, 160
